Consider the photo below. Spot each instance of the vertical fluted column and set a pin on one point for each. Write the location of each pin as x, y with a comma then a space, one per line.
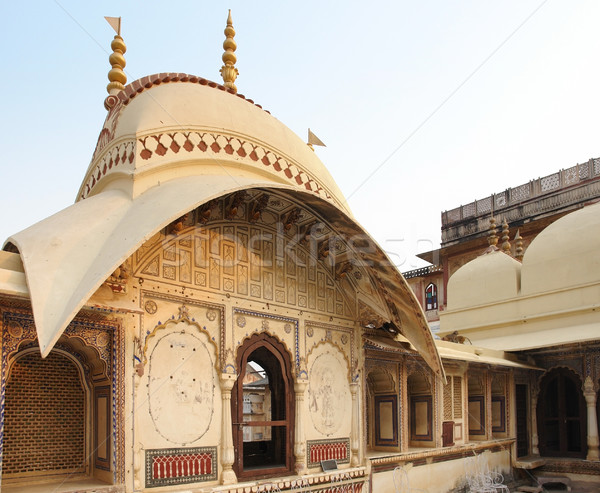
227, 451
592, 421
534, 434
299, 442
355, 432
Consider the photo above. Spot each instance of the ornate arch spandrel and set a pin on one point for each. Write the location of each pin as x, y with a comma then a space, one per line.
183, 317
265, 328
352, 360
340, 350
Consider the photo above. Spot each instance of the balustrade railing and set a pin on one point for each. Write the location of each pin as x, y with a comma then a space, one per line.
422, 271
535, 188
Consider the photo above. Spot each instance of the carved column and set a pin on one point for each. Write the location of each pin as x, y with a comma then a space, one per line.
299, 441
592, 421
227, 451
534, 434
355, 432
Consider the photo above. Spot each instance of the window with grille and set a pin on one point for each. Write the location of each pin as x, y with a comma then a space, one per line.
431, 302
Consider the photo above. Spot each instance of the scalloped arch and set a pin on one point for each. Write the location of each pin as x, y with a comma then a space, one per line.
191, 323
340, 350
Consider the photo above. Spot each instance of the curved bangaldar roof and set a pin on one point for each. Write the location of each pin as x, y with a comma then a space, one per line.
170, 143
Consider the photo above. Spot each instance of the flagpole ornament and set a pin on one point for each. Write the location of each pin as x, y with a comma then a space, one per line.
313, 140
116, 75
115, 23
228, 71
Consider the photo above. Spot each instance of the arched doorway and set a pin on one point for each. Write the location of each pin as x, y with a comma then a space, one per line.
44, 424
561, 414
262, 409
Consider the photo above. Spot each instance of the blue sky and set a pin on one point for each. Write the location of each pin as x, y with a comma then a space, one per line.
446, 102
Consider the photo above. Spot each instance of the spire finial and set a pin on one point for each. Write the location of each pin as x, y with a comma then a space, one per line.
518, 246
492, 238
505, 237
116, 76
228, 71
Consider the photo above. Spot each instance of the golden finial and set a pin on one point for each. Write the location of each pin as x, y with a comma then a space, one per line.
505, 237
492, 238
518, 246
228, 71
116, 76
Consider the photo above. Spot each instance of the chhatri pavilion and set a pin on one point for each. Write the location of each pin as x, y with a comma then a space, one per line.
209, 316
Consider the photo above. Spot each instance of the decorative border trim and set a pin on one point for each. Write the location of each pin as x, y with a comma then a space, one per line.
318, 450
186, 464
157, 146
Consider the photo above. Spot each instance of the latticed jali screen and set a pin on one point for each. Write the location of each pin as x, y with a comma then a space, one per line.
453, 398
44, 417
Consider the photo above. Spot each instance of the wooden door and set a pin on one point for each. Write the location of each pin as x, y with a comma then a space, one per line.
262, 410
562, 425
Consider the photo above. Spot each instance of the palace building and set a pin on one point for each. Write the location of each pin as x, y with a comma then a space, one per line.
209, 316
527, 210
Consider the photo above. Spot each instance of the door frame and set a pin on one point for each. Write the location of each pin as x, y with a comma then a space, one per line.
561, 375
280, 352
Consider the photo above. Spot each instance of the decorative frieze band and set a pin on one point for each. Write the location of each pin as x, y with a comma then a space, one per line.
319, 450
166, 467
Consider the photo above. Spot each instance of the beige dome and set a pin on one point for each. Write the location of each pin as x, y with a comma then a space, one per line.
175, 125
565, 254
491, 277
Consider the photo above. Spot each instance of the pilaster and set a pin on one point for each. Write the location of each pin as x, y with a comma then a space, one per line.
228, 476
299, 439
589, 392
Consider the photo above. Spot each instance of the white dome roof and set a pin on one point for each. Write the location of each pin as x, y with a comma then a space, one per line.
491, 277
173, 125
565, 254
